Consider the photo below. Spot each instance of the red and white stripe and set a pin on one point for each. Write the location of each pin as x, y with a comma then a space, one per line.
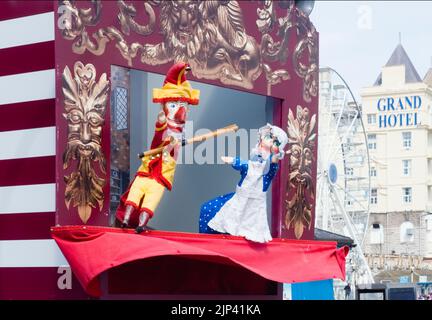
30, 261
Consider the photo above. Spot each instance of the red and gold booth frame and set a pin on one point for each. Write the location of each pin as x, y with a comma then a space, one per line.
263, 47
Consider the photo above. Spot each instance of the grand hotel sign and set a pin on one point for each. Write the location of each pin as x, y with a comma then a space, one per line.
400, 112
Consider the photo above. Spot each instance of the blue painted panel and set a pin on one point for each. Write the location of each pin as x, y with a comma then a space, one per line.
315, 290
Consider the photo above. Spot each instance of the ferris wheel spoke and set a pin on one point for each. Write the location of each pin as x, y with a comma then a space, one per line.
352, 197
323, 185
337, 125
333, 154
344, 138
320, 160
346, 217
352, 224
321, 152
331, 105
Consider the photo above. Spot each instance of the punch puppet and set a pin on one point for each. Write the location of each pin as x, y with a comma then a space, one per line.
156, 173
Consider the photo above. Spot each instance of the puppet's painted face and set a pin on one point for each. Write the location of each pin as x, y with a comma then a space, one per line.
269, 142
176, 112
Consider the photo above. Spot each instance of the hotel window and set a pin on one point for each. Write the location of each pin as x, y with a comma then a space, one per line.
406, 232
377, 234
374, 196
371, 118
372, 144
373, 172
407, 195
406, 138
406, 168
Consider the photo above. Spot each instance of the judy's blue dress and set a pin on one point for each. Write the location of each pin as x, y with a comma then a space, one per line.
244, 212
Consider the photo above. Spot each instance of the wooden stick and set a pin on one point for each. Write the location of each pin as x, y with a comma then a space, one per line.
203, 137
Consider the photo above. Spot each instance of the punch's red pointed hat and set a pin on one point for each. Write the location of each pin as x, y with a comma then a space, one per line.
176, 87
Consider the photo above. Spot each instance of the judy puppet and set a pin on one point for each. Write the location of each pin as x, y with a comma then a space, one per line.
244, 212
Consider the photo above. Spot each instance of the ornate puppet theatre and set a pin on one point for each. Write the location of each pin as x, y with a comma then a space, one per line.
262, 48
244, 213
156, 173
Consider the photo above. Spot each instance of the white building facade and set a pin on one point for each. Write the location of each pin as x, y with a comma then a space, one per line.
397, 114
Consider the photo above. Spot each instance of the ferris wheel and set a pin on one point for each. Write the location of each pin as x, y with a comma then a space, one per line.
343, 180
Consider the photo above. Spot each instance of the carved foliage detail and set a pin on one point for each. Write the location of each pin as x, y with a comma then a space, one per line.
301, 139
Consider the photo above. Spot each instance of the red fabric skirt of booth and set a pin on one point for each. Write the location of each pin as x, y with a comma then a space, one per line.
92, 250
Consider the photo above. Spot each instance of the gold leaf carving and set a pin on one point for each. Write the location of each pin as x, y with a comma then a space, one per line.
127, 22
308, 44
301, 140
84, 104
210, 35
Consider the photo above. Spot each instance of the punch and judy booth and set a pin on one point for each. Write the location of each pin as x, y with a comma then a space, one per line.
77, 80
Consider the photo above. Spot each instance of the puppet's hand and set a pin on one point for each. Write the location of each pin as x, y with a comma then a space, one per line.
169, 147
161, 117
172, 143
227, 160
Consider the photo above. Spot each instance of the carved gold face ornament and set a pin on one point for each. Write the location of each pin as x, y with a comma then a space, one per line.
84, 129
84, 103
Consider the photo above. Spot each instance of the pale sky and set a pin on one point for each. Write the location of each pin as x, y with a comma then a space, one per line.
358, 37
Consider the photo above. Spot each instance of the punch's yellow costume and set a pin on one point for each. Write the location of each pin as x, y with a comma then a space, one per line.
152, 185
156, 173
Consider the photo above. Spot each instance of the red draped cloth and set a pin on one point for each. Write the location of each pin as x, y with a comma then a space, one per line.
91, 250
